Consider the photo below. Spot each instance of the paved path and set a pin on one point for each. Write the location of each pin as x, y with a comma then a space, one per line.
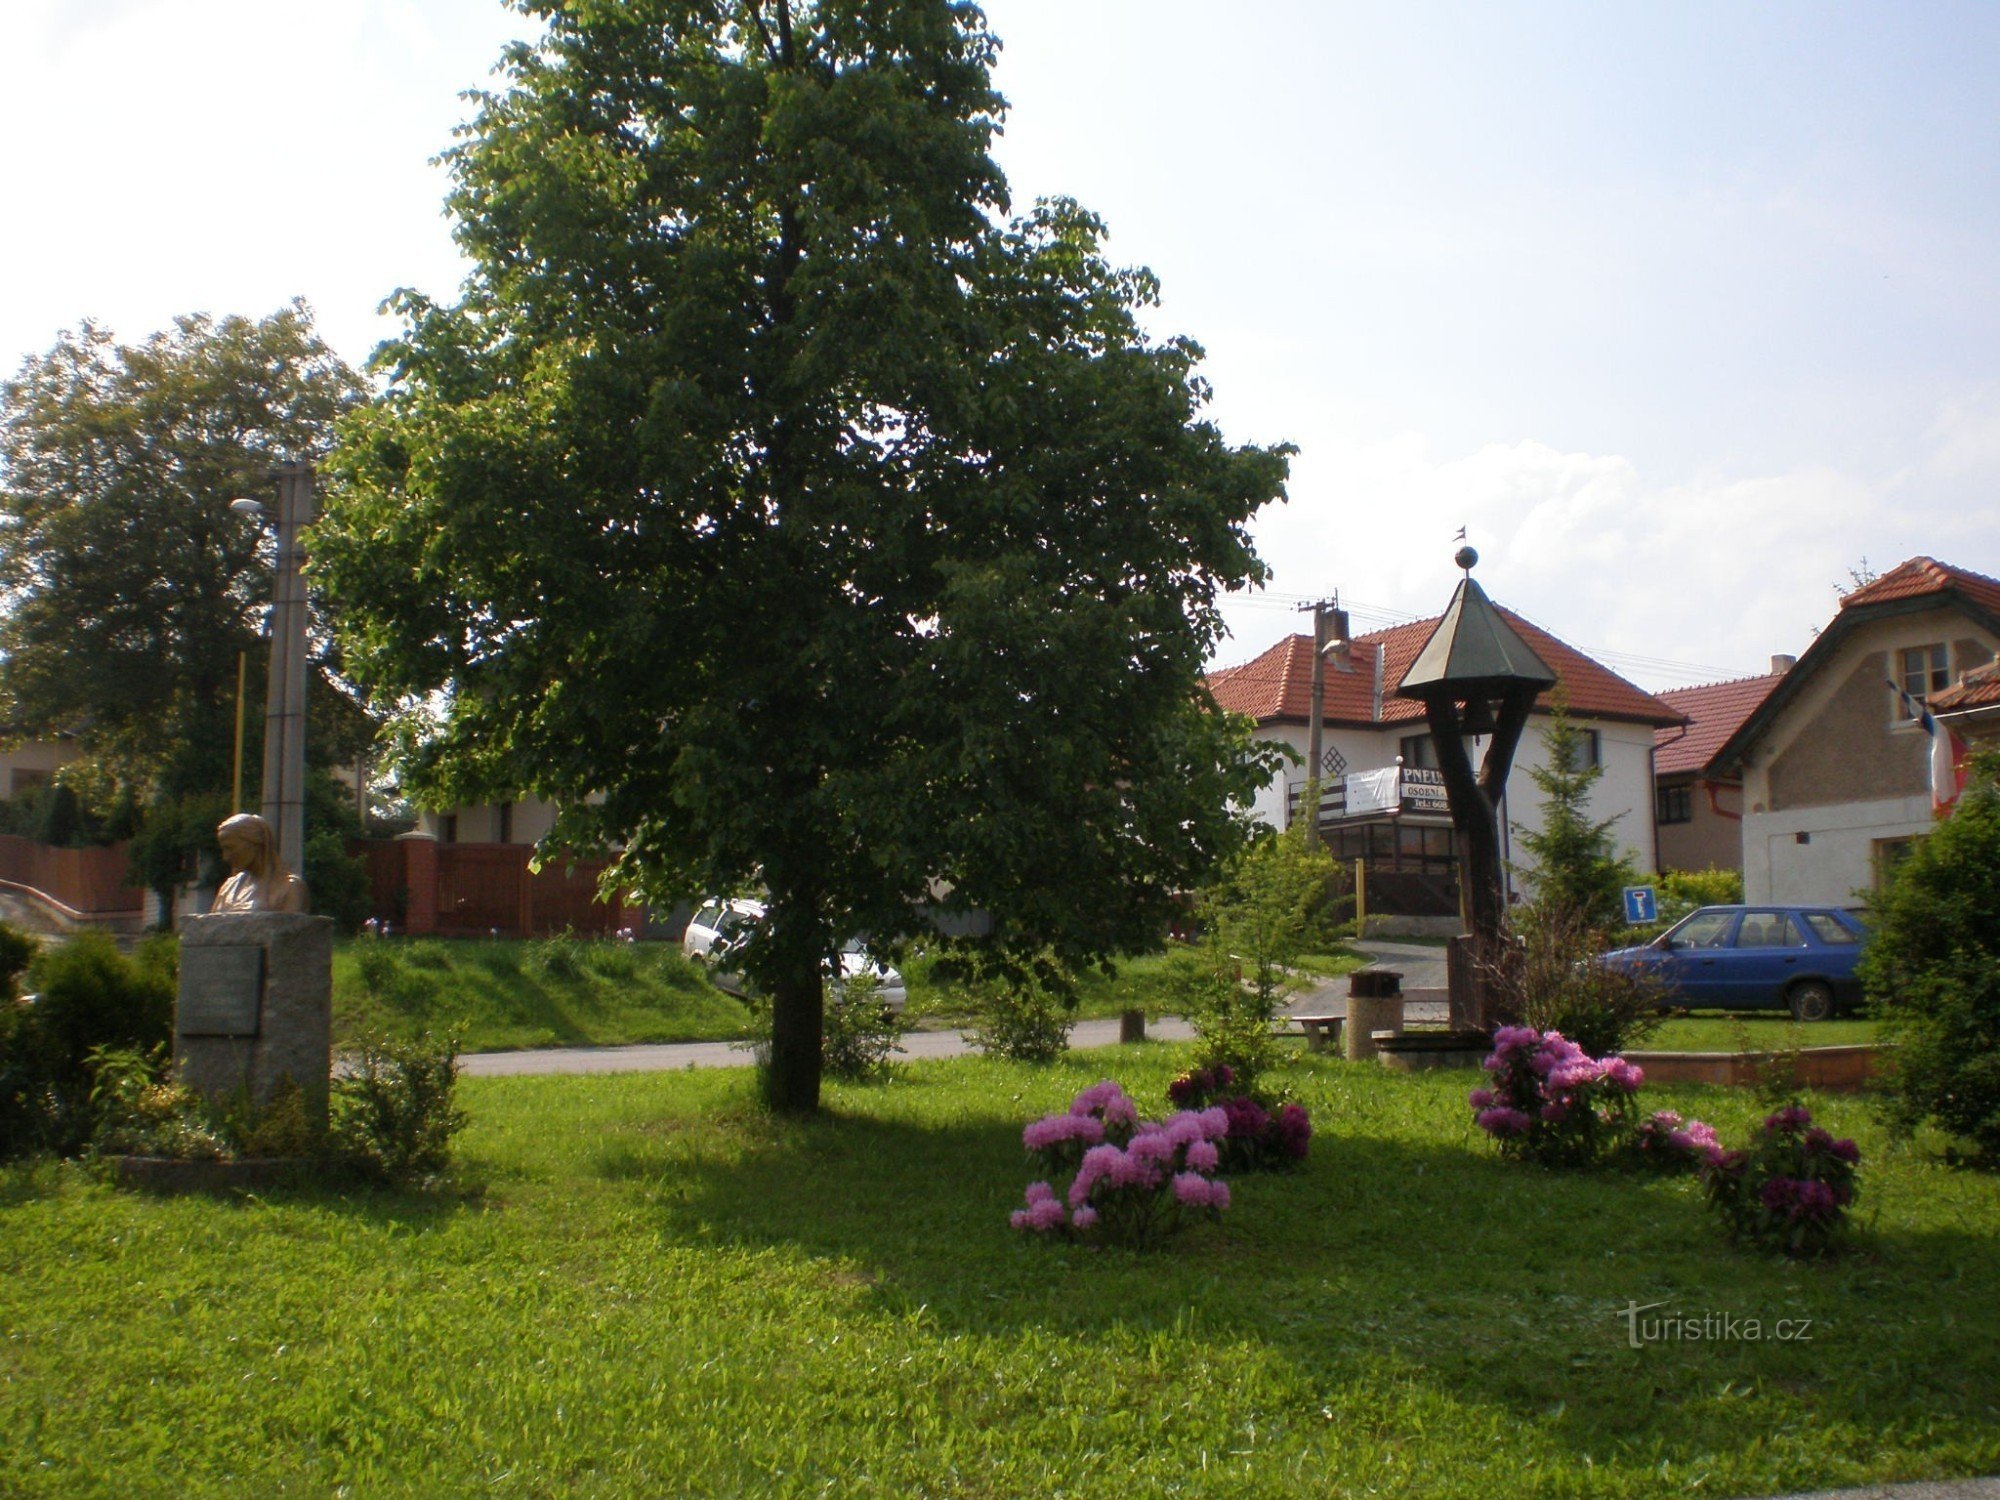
1926, 1489
675, 1056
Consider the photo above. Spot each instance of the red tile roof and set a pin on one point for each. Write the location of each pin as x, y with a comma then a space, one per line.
1979, 688
1922, 576
1715, 712
1277, 686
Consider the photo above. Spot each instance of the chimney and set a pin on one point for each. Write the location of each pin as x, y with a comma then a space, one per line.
1782, 664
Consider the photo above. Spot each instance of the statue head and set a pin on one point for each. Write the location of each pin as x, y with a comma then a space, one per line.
249, 845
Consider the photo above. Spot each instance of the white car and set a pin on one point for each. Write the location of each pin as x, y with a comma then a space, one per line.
714, 931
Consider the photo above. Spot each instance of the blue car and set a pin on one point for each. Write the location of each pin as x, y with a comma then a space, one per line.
1796, 958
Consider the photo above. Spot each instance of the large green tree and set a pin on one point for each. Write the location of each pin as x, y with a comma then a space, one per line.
130, 586
787, 514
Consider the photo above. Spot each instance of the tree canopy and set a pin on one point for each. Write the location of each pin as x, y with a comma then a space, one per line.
130, 586
788, 514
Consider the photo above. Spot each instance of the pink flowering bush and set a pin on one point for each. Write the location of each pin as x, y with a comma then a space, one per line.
1789, 1190
1549, 1101
1133, 1181
1261, 1137
1667, 1143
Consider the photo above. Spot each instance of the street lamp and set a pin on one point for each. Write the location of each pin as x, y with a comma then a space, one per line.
285, 690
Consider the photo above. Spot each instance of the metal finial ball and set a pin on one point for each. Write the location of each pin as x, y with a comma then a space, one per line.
1465, 557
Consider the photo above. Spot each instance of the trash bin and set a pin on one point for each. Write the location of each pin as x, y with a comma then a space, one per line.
1374, 1003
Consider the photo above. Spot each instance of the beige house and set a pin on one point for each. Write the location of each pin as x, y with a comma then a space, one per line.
1835, 770
31, 764
1697, 806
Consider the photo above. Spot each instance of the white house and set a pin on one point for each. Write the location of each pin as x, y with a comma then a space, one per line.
1399, 822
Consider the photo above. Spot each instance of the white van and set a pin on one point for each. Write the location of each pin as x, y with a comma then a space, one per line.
716, 928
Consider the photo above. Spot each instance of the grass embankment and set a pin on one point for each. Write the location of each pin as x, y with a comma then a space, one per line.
644, 1287
502, 995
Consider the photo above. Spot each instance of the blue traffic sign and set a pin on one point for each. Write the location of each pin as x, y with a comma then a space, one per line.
1641, 906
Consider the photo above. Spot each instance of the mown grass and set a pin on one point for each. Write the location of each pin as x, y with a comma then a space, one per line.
1714, 1032
501, 995
641, 1286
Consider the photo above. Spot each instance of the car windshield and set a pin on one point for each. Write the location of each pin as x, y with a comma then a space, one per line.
1705, 929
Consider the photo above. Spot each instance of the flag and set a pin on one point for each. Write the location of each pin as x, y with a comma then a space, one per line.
1947, 753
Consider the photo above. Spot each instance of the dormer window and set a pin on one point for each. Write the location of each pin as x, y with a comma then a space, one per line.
1923, 670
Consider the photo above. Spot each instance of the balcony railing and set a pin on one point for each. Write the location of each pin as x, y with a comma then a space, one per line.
1362, 794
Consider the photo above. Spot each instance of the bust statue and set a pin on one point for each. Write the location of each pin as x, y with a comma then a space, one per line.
258, 880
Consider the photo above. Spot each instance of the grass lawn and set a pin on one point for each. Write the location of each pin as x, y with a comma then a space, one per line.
642, 1286
1714, 1032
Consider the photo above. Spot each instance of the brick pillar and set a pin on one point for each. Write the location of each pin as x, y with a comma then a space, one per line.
420, 879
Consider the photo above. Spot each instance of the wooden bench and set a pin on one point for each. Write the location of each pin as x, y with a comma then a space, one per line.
1320, 1031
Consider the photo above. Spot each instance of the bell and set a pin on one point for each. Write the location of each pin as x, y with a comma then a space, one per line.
1476, 717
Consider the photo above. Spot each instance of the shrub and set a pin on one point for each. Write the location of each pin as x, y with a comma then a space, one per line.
1135, 1181
1023, 1018
860, 1033
140, 1112
1232, 1024
1789, 1190
1550, 1101
1693, 888
1263, 1135
378, 964
393, 1110
1932, 969
1664, 1142
1554, 983
88, 995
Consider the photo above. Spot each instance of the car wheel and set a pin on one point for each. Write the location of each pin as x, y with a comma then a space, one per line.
1811, 1000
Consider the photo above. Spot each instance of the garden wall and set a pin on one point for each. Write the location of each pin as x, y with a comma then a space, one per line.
90, 882
418, 885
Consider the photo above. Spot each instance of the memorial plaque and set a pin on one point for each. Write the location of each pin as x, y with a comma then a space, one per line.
222, 991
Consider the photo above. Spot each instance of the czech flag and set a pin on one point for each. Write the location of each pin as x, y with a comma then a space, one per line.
1947, 754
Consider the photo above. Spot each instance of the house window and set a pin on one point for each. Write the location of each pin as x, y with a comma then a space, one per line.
504, 818
1589, 750
1675, 804
1924, 670
448, 829
25, 780
1889, 856
1419, 750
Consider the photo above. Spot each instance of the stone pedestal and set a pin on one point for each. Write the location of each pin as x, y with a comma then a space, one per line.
256, 1007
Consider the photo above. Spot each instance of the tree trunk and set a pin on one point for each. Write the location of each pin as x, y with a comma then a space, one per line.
791, 1083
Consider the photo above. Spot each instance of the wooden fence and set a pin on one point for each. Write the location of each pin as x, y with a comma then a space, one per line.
470, 890
90, 882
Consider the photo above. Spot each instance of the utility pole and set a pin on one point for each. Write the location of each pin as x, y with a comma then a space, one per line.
1331, 636
285, 706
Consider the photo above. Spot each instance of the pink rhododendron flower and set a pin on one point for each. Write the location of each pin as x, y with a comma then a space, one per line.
1480, 1098
1192, 1189
1084, 1217
1203, 1156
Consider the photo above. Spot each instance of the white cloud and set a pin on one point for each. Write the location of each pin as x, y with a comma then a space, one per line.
1715, 573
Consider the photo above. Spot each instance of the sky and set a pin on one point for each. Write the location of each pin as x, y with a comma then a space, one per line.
1689, 313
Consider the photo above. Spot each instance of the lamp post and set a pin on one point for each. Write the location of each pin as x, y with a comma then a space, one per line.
285, 690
